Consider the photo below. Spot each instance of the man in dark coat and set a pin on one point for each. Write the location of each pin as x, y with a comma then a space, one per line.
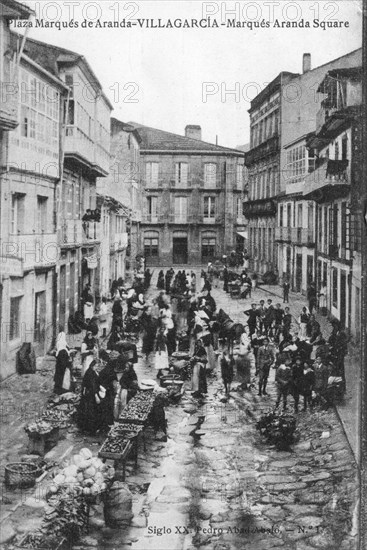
253, 315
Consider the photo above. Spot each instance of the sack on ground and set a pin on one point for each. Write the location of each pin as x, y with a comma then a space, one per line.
118, 505
26, 359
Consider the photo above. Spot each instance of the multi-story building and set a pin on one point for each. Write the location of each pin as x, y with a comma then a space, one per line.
30, 172
126, 182
336, 145
263, 161
193, 197
297, 222
85, 158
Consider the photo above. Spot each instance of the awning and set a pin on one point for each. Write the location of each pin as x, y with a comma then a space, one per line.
243, 234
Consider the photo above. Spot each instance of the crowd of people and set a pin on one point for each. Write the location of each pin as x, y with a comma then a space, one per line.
270, 338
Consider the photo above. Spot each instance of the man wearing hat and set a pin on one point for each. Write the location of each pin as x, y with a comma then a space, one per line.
297, 380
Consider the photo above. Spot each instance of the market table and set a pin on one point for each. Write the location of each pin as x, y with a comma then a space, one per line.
122, 439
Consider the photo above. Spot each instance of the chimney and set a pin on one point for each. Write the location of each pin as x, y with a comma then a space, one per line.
306, 66
192, 131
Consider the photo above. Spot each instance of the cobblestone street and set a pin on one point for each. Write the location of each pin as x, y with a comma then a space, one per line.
224, 489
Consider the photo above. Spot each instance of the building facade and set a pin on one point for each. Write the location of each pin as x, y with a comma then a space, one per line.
193, 197
86, 157
335, 142
30, 172
304, 227
263, 161
125, 185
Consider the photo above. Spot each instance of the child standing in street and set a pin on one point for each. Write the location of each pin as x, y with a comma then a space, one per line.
283, 379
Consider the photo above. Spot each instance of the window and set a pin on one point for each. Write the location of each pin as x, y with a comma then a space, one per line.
299, 216
24, 121
210, 174
151, 239
239, 176
345, 148
208, 246
152, 204
209, 208
336, 153
42, 213
39, 111
239, 208
181, 173
296, 163
152, 171
281, 215
15, 311
344, 225
335, 286
181, 209
17, 213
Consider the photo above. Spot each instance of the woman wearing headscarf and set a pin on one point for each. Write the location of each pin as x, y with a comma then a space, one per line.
198, 379
160, 282
108, 379
62, 363
150, 325
88, 351
89, 419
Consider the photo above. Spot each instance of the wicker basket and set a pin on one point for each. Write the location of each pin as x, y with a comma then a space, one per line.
21, 475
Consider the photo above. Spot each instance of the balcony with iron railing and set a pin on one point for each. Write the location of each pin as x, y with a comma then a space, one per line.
71, 233
92, 232
302, 236
283, 234
327, 109
269, 147
331, 178
150, 218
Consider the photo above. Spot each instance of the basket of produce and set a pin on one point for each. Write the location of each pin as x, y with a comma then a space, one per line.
21, 475
40, 540
58, 417
126, 431
115, 448
85, 475
138, 408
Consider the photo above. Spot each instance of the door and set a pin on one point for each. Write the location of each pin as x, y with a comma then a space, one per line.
298, 272
40, 318
62, 296
309, 270
289, 269
180, 250
343, 297
72, 289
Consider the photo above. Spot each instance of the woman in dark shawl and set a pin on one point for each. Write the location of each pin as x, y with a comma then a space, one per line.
160, 281
108, 379
150, 325
62, 363
89, 420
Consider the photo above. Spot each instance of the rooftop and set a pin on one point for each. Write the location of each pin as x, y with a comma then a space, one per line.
156, 140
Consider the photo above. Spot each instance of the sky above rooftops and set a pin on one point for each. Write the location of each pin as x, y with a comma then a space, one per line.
170, 77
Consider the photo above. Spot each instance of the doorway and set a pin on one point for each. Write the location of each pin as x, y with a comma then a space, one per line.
62, 302
40, 318
343, 297
180, 248
298, 272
